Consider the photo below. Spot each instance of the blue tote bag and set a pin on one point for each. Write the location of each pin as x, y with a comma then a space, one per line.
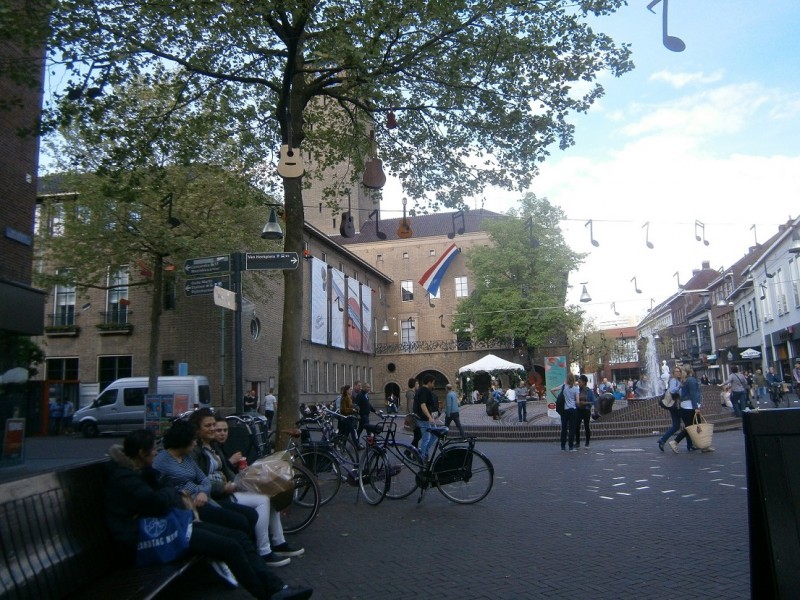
163, 539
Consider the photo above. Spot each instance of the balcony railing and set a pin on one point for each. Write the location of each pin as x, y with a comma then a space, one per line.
115, 321
62, 323
444, 346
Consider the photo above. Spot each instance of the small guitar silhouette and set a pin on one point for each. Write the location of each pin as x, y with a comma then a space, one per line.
404, 231
374, 177
290, 165
347, 227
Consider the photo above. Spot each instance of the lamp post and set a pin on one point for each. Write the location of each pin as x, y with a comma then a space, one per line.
272, 231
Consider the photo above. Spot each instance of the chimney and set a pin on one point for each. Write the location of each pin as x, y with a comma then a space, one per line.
706, 264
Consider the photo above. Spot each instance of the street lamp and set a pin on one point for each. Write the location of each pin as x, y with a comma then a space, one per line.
272, 231
585, 297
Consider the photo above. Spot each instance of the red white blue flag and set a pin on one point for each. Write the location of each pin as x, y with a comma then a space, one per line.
432, 278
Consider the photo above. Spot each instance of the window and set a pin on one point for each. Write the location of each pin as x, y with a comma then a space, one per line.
306, 375
168, 367
405, 255
379, 258
437, 295
117, 302
134, 396
61, 369
335, 369
407, 290
794, 283
431, 252
326, 378
169, 294
111, 368
64, 307
462, 290
408, 332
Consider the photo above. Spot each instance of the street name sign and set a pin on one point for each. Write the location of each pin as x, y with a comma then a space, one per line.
207, 265
265, 261
204, 286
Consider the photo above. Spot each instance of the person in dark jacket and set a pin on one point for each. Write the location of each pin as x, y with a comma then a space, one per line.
361, 401
134, 490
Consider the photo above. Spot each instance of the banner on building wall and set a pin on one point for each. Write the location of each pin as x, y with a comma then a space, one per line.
338, 305
367, 343
354, 326
319, 302
555, 374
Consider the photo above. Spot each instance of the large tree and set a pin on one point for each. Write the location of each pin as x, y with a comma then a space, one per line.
157, 177
481, 88
521, 279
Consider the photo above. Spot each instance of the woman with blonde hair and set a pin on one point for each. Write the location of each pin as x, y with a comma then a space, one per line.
690, 406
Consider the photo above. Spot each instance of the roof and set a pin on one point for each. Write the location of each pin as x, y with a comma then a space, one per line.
490, 363
432, 225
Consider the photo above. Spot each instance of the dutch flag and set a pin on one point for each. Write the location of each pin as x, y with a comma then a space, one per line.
432, 278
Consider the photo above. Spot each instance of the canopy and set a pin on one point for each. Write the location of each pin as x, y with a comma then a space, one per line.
750, 353
491, 363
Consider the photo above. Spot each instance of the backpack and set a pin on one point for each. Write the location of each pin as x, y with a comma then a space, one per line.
561, 401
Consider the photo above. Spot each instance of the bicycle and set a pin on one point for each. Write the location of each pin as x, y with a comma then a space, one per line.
461, 473
401, 456
331, 462
776, 393
300, 507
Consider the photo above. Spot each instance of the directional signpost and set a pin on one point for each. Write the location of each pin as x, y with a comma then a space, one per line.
222, 271
269, 261
204, 286
208, 265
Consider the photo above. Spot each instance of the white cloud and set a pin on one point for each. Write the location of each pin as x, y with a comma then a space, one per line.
679, 80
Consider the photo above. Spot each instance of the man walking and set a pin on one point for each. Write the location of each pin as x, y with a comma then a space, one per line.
451, 410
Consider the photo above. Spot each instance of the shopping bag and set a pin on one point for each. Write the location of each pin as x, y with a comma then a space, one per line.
270, 475
701, 432
163, 539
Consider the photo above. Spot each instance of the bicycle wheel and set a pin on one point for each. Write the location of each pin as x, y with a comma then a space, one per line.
404, 464
345, 446
374, 479
463, 475
325, 468
304, 505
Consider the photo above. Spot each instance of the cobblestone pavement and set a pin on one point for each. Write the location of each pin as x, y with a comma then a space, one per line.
619, 520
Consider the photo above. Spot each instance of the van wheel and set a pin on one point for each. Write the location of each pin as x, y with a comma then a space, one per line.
90, 430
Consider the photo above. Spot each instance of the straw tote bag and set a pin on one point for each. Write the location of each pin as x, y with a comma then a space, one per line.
701, 432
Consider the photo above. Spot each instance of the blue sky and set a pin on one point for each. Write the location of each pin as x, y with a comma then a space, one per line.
710, 134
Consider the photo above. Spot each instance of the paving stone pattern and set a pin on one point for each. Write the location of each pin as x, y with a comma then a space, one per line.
619, 520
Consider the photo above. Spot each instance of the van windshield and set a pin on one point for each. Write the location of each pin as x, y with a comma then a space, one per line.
107, 397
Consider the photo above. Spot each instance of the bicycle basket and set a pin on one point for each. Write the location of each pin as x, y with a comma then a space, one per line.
453, 464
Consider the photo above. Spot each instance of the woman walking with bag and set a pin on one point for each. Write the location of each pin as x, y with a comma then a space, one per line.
674, 389
690, 406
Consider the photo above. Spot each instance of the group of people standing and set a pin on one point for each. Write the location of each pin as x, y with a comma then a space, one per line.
580, 404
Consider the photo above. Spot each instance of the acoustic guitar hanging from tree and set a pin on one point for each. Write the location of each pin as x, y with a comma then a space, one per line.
374, 178
404, 231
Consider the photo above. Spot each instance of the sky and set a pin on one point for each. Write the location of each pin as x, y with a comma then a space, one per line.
708, 135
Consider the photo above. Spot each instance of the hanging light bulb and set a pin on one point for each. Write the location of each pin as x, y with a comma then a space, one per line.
272, 231
585, 297
385, 326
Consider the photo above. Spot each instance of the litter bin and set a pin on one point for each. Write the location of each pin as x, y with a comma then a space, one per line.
772, 447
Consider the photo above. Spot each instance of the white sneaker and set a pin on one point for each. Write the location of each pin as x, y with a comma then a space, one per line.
224, 573
673, 446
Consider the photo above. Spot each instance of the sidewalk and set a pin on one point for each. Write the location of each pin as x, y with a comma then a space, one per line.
620, 522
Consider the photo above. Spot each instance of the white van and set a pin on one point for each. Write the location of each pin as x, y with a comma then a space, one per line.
120, 407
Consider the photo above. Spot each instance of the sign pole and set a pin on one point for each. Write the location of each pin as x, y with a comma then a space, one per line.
237, 331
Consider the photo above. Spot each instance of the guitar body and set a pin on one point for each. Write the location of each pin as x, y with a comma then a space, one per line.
291, 164
404, 231
374, 177
347, 228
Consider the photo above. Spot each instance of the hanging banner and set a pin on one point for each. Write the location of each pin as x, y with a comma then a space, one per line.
555, 374
354, 326
338, 303
367, 343
319, 302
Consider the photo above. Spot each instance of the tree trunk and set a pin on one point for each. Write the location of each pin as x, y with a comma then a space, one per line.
290, 371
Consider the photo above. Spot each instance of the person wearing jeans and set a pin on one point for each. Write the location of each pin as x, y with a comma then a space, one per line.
569, 420
425, 406
674, 387
739, 389
690, 406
